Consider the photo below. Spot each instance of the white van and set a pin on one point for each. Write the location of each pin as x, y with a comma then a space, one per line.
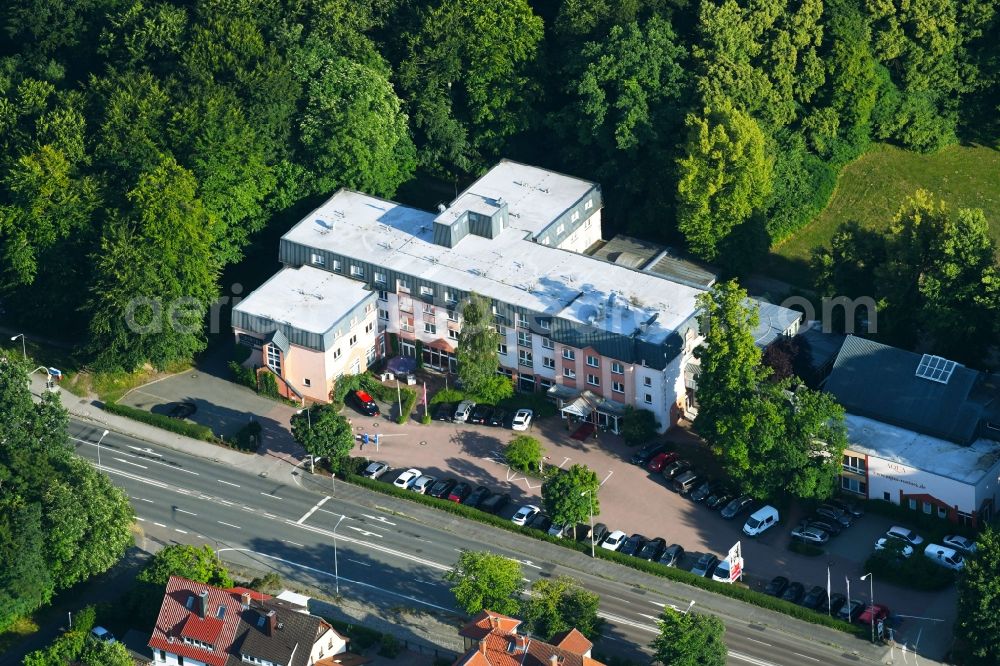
761, 520
944, 556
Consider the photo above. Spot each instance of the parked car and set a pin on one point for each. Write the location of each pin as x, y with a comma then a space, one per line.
441, 488
833, 605
704, 490
522, 419
523, 515
560, 531
540, 522
685, 482
705, 565
672, 555
760, 521
498, 418
777, 586
423, 483
720, 498
363, 402
495, 503
873, 614
600, 531
459, 492
907, 535
793, 593
961, 544
463, 411
375, 469
614, 540
944, 556
481, 414
102, 635
807, 533
406, 479
814, 597
652, 549
848, 505
674, 469
736, 507
831, 527
850, 611
445, 411
633, 545
477, 496
833, 513
647, 452
894, 545
661, 460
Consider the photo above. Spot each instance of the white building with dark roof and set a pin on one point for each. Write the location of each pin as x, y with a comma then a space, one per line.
596, 335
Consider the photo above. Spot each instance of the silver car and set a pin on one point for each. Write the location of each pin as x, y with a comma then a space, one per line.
375, 470
463, 411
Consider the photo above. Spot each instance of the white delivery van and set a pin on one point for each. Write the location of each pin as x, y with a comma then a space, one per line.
761, 520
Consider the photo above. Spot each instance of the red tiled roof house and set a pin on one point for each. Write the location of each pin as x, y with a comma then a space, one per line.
491, 639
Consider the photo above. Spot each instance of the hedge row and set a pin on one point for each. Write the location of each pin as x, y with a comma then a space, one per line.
916, 572
654, 568
409, 397
194, 430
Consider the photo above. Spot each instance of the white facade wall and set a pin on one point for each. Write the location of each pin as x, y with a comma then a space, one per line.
586, 235
988, 487
172, 660
327, 644
885, 476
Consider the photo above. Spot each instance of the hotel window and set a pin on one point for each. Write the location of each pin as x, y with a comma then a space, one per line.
569, 354
617, 387
593, 361
524, 338
403, 283
453, 334
426, 291
854, 464
546, 241
274, 359
318, 260
617, 368
589, 204
429, 327
942, 512
369, 327
452, 315
928, 508
593, 380
383, 314
370, 356
383, 295
648, 399
522, 320
380, 278
449, 297
357, 271
500, 329
647, 381
575, 216
307, 382
337, 266
524, 358
502, 349
561, 228
913, 504
569, 373
428, 308
353, 340
586, 225
548, 344
853, 485
336, 353
549, 362
545, 324
354, 322
406, 324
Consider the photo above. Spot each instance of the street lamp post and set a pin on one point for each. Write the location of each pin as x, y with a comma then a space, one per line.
870, 577
336, 570
103, 435
690, 606
591, 493
24, 348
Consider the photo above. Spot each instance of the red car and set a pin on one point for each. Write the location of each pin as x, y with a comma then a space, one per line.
873, 614
364, 403
661, 460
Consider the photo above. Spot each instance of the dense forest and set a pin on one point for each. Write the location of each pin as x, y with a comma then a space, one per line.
144, 144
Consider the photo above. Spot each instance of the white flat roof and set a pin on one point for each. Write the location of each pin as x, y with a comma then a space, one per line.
306, 298
509, 268
967, 464
535, 197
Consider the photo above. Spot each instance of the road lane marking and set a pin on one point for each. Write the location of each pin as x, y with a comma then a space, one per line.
146, 451
805, 656
190, 513
173, 466
271, 496
762, 642
181, 531
226, 502
229, 524
631, 623
374, 546
364, 564
159, 524
140, 519
293, 543
380, 519
363, 531
235, 485
313, 510
528, 563
127, 462
142, 499
752, 660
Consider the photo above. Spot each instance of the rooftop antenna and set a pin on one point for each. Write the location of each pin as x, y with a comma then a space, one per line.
442, 208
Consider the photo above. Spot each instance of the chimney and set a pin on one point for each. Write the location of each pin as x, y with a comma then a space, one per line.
203, 604
272, 622
245, 598
554, 660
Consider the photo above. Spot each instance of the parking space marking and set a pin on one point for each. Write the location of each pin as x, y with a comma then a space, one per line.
610, 472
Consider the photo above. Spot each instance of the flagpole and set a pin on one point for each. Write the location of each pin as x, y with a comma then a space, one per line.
848, 581
828, 610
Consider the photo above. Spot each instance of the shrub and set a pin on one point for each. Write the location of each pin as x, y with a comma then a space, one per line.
243, 376
916, 572
361, 637
447, 395
364, 382
248, 438
409, 402
930, 526
193, 430
268, 583
524, 453
426, 418
268, 385
640, 426
536, 402
389, 646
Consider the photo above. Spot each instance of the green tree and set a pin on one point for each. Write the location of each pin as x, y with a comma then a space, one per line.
524, 453
482, 580
725, 176
639, 425
96, 653
476, 353
560, 604
978, 624
198, 564
570, 496
25, 581
324, 433
689, 639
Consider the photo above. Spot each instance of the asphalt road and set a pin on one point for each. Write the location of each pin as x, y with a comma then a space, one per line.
392, 560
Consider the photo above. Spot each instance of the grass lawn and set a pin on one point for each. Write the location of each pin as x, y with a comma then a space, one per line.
21, 629
871, 189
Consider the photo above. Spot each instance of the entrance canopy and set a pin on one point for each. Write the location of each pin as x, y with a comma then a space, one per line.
579, 408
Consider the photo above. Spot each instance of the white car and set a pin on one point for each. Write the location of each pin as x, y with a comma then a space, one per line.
375, 470
522, 419
406, 479
907, 535
944, 556
424, 482
463, 411
961, 544
524, 514
882, 543
721, 573
614, 540
103, 635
